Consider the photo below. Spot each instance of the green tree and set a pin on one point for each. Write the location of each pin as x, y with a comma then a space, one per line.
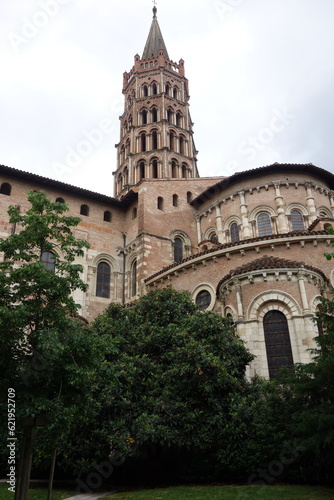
45, 354
172, 376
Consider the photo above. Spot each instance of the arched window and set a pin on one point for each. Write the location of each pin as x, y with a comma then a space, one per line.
175, 200
6, 189
134, 279
143, 141
160, 203
178, 249
48, 260
145, 90
84, 210
181, 144
169, 116
154, 139
126, 176
234, 233
175, 92
107, 216
134, 213
178, 119
277, 339
172, 141
154, 115
60, 200
154, 89
174, 169
141, 170
103, 280
203, 299
297, 221
264, 224
189, 196
144, 117
155, 169
214, 237
167, 88
184, 171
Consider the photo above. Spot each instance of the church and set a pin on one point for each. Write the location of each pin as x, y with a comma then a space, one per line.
249, 246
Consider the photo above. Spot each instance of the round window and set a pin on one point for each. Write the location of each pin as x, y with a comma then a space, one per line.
203, 299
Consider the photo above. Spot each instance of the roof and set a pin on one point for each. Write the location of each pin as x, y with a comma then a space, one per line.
277, 168
265, 263
124, 202
155, 41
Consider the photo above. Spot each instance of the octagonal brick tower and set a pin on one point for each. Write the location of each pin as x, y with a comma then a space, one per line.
156, 137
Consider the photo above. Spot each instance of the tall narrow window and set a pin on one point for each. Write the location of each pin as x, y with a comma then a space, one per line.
160, 203
189, 197
178, 250
175, 200
172, 141
181, 145
155, 169
145, 91
154, 115
277, 339
84, 210
169, 116
264, 224
48, 260
134, 279
234, 232
143, 141
103, 280
154, 139
141, 170
144, 117
184, 171
167, 88
178, 119
154, 89
174, 169
6, 189
175, 92
297, 221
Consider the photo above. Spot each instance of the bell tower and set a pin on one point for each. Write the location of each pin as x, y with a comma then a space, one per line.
156, 137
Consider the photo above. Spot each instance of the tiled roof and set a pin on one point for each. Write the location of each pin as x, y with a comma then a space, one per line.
267, 262
219, 246
212, 191
126, 200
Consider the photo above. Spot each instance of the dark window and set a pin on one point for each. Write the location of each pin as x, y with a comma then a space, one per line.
84, 210
264, 224
145, 91
174, 169
277, 338
154, 89
167, 89
60, 200
144, 117
182, 145
297, 221
234, 232
143, 141
134, 279
214, 238
103, 280
107, 216
175, 93
171, 141
141, 170
203, 299
160, 203
178, 119
169, 116
6, 189
155, 140
154, 115
134, 213
184, 171
189, 197
178, 250
155, 169
175, 200
48, 260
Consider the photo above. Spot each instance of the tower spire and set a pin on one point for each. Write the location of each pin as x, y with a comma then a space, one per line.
155, 41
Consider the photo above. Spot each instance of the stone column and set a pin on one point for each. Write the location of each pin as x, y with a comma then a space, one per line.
244, 216
310, 202
301, 283
199, 232
219, 223
282, 222
331, 200
239, 299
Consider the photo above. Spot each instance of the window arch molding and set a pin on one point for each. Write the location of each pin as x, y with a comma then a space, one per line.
230, 220
105, 257
261, 208
267, 301
181, 235
296, 206
324, 212
205, 287
210, 232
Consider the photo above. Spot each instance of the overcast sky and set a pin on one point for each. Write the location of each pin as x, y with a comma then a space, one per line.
261, 76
